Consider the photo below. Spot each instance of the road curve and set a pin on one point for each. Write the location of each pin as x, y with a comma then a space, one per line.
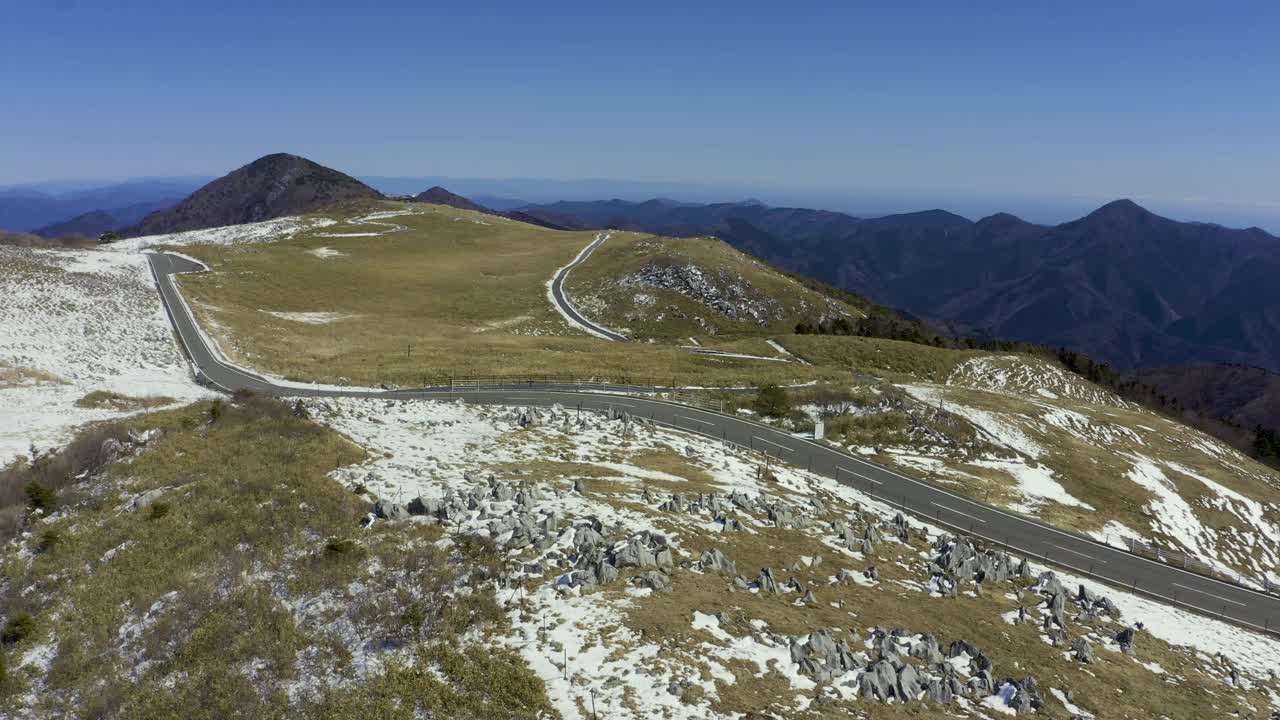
566, 308
1021, 535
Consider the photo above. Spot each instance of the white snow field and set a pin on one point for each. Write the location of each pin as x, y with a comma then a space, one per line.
266, 231
75, 321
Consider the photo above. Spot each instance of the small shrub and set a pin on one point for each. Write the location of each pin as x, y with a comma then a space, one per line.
414, 617
337, 547
158, 510
40, 496
360, 489
20, 627
772, 401
216, 410
49, 540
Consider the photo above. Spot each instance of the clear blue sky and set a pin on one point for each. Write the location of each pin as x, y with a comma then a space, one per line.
1169, 102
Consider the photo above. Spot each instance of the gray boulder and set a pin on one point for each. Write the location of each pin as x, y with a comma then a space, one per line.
657, 581
1125, 638
715, 561
766, 581
388, 510
143, 500
1081, 649
909, 687
938, 691
927, 649
879, 681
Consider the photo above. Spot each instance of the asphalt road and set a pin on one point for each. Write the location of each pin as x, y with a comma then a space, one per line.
1020, 535
566, 308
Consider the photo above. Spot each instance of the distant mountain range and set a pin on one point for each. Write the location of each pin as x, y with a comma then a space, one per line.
1192, 305
1121, 284
93, 224
440, 196
29, 208
270, 187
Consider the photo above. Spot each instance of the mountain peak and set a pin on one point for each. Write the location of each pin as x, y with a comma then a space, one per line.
440, 196
272, 186
1123, 209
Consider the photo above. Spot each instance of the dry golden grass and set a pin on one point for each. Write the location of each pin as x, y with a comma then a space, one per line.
450, 297
249, 514
671, 315
17, 376
891, 359
106, 400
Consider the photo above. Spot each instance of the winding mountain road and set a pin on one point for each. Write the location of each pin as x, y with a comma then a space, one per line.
556, 294
1023, 536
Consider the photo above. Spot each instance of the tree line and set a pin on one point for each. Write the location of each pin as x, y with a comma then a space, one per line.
884, 323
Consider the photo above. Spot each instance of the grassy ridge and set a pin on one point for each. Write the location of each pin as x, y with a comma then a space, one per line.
191, 606
459, 294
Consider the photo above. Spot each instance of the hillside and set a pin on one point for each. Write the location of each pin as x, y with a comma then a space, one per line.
401, 558
96, 222
1122, 284
448, 292
270, 187
1246, 396
26, 209
439, 196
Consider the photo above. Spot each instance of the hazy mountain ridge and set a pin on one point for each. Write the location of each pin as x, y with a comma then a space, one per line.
96, 222
26, 208
1122, 284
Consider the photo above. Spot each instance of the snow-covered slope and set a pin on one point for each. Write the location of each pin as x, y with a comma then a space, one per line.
655, 573
73, 322
1045, 442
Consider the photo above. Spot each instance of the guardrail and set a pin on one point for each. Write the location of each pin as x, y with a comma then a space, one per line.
648, 386
1191, 564
668, 390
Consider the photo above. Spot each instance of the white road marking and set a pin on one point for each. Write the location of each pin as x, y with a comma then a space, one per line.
780, 447
944, 507
1073, 552
1184, 587
864, 477
700, 422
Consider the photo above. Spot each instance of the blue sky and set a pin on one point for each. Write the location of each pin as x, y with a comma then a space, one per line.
1172, 104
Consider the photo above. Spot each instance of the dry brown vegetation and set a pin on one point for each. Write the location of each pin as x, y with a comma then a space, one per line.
251, 527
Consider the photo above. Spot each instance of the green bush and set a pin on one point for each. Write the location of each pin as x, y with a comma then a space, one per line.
19, 628
40, 496
772, 401
158, 510
336, 547
49, 540
216, 410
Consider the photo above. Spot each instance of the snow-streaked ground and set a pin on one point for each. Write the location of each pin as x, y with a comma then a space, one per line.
1030, 410
430, 448
266, 231
91, 319
310, 318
